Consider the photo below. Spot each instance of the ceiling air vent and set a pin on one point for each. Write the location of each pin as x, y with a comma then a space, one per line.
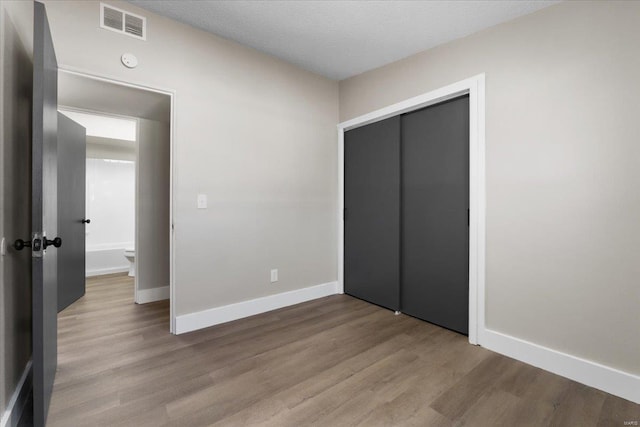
134, 25
120, 21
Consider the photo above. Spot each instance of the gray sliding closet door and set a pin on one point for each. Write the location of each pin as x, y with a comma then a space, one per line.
372, 212
435, 203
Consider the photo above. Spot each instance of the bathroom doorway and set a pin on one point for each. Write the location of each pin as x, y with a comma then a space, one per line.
128, 180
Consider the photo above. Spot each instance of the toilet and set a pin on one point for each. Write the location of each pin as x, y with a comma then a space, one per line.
130, 254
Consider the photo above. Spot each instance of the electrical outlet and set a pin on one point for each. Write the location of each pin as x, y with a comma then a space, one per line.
274, 275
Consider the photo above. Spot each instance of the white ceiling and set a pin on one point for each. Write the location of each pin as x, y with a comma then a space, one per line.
339, 39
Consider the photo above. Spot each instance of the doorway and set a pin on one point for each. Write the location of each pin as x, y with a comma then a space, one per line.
128, 212
406, 204
474, 88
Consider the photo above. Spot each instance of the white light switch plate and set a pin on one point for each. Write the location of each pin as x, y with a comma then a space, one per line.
202, 201
274, 275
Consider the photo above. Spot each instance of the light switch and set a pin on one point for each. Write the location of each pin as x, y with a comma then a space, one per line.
202, 201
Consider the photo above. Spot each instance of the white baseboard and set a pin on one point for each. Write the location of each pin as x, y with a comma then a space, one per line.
605, 378
102, 271
203, 319
19, 398
152, 295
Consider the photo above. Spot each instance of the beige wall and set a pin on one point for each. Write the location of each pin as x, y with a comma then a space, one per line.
16, 62
255, 134
152, 204
563, 170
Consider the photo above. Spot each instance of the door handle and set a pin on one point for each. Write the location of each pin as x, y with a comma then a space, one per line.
86, 221
56, 243
21, 244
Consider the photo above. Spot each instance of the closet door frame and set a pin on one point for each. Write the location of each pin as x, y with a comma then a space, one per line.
475, 88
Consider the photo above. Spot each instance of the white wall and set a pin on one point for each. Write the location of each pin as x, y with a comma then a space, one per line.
257, 135
110, 204
153, 207
563, 151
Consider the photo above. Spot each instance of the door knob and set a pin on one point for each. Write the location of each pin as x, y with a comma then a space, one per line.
56, 243
21, 244
86, 221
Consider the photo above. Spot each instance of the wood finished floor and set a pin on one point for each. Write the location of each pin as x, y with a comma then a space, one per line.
336, 361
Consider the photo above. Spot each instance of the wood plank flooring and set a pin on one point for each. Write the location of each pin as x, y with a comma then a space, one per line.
336, 361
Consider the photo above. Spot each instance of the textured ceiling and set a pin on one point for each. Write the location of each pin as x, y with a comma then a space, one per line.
339, 39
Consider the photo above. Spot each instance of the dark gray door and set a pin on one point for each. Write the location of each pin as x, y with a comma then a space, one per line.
72, 153
44, 210
435, 203
372, 212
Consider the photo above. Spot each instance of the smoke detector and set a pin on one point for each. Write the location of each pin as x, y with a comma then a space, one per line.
129, 60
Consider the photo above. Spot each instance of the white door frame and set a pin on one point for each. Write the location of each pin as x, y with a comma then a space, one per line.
473, 86
172, 144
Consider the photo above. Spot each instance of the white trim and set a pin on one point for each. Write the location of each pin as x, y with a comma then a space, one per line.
473, 86
144, 296
103, 271
136, 242
340, 210
605, 378
172, 142
172, 234
8, 417
203, 319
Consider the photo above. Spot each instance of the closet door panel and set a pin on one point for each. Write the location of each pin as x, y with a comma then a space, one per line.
435, 202
372, 212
